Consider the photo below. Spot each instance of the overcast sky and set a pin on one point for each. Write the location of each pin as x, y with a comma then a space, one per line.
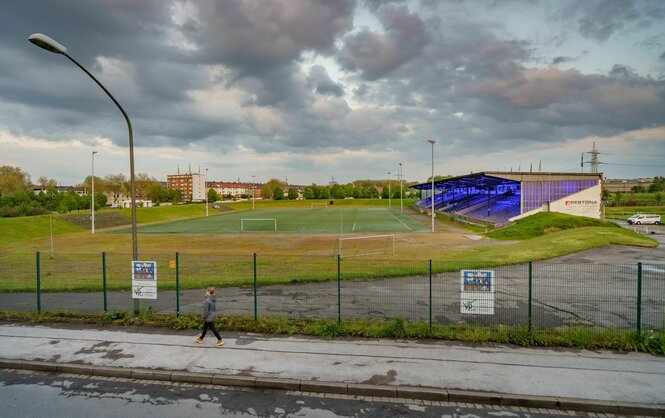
309, 90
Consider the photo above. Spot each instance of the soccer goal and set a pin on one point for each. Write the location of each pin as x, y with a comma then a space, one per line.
318, 205
365, 246
258, 224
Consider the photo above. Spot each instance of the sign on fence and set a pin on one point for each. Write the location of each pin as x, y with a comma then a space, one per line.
144, 279
477, 292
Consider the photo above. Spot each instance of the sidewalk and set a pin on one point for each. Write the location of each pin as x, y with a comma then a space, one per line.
603, 376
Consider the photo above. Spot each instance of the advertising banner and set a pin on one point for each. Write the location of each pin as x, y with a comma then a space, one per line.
144, 279
477, 292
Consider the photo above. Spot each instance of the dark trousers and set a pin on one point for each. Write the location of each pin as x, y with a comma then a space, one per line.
210, 326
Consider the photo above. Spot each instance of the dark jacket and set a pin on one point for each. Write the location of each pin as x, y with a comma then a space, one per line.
210, 308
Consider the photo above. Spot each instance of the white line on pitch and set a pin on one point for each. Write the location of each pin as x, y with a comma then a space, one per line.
302, 229
405, 225
354, 227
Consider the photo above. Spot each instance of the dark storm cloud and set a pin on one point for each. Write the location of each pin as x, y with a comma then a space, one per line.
560, 60
321, 81
600, 19
377, 54
254, 35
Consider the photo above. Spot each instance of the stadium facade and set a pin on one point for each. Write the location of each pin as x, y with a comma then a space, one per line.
498, 197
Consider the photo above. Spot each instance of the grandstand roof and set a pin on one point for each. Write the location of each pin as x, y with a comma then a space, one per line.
494, 178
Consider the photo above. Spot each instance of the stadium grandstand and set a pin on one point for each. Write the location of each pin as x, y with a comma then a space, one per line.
497, 197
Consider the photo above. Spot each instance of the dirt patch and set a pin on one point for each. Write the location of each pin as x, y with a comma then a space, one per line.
552, 229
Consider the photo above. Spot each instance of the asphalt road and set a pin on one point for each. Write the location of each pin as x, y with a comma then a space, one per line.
33, 394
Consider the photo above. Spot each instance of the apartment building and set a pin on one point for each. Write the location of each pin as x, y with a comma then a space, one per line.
192, 186
235, 189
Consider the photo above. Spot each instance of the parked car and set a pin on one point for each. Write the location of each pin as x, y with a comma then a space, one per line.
644, 219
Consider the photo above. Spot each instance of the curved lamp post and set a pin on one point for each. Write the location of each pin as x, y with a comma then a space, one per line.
51, 45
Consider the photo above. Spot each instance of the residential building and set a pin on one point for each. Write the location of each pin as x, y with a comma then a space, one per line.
192, 186
234, 189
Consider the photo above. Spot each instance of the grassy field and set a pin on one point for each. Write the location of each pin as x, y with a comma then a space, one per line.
301, 220
226, 259
624, 212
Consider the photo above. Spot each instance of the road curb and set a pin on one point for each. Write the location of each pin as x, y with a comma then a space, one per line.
343, 388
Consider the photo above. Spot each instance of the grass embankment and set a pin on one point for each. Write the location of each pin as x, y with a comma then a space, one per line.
575, 337
543, 223
13, 230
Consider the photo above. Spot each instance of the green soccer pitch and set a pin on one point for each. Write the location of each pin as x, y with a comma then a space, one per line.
304, 221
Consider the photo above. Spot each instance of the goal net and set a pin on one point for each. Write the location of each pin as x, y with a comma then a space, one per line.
319, 205
366, 246
258, 224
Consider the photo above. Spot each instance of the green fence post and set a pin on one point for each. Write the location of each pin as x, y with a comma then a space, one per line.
430, 295
339, 288
177, 284
530, 292
39, 285
639, 298
256, 307
104, 279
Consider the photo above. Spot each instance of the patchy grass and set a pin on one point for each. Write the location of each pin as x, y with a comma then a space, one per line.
651, 341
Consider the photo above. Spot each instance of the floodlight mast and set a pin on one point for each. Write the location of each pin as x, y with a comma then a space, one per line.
431, 141
49, 44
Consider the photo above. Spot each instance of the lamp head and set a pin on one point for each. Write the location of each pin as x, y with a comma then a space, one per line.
47, 43
431, 141
95, 152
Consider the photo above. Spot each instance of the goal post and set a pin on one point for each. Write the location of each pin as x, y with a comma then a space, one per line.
318, 205
258, 224
366, 245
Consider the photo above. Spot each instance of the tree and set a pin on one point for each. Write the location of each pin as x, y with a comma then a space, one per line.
372, 193
142, 182
266, 191
324, 193
384, 192
212, 195
87, 184
293, 193
114, 184
47, 183
658, 184
157, 193
658, 197
309, 193
278, 193
100, 200
617, 197
13, 180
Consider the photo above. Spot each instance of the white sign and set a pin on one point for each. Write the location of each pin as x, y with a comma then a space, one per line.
477, 292
144, 279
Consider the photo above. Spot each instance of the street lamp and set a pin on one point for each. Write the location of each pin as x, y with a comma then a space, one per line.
401, 205
389, 201
253, 192
50, 45
205, 188
92, 203
431, 141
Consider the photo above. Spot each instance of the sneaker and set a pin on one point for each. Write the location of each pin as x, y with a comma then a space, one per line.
198, 340
219, 343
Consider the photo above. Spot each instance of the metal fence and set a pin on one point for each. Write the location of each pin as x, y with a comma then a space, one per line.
540, 294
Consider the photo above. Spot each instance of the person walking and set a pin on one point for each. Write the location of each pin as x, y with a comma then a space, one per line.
209, 314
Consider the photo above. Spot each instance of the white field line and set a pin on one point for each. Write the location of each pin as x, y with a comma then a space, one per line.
354, 227
405, 225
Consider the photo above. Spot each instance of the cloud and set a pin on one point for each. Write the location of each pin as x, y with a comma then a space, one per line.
255, 35
319, 78
376, 54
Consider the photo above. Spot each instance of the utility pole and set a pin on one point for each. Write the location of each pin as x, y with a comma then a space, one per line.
92, 203
389, 196
401, 204
253, 192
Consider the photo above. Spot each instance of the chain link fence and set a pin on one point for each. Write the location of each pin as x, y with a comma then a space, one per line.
540, 294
